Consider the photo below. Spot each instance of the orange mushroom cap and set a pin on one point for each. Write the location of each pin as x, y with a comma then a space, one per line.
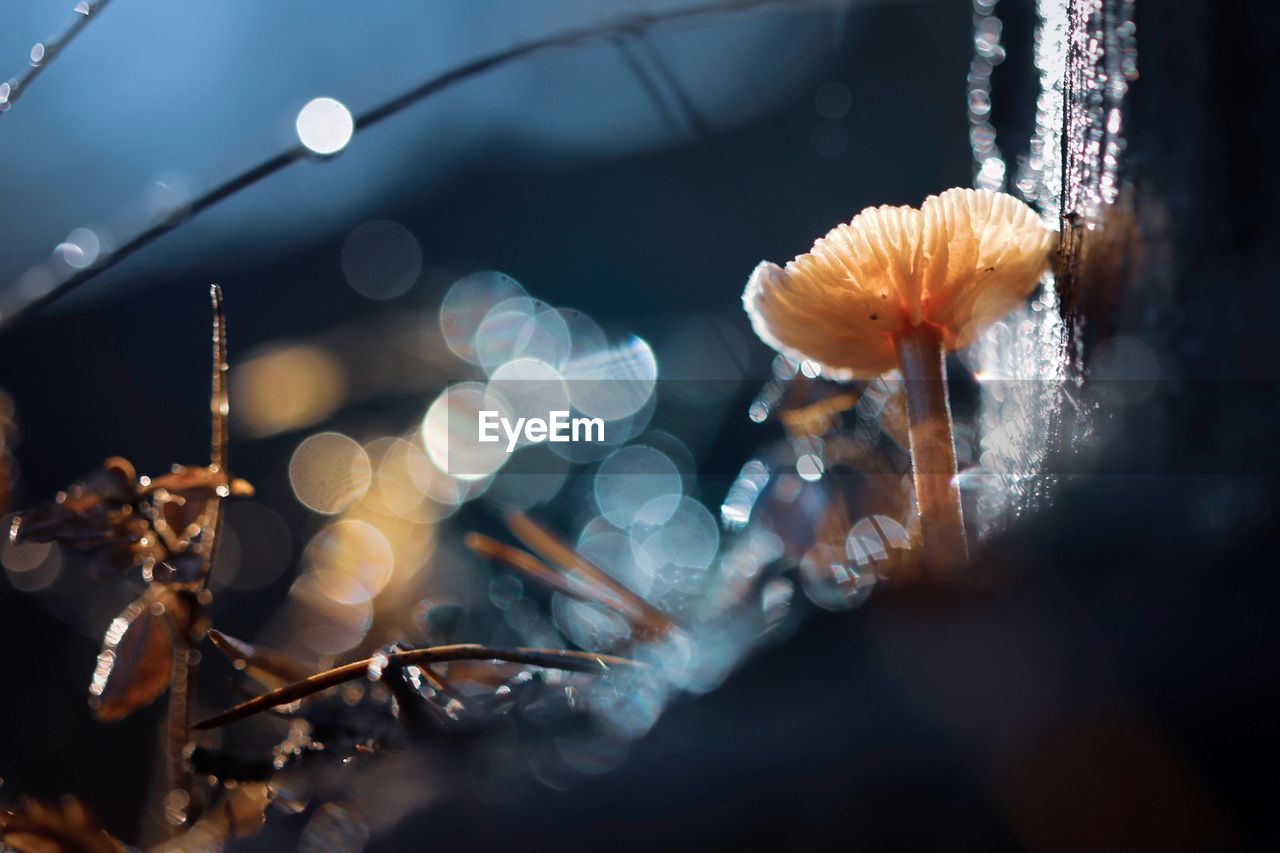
962, 261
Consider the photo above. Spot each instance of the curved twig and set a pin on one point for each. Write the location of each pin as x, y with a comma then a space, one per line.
47, 51
548, 658
632, 24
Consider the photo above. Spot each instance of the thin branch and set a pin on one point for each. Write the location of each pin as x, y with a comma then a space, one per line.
571, 661
271, 667
647, 83
259, 661
44, 52
546, 543
633, 24
525, 563
692, 114
577, 588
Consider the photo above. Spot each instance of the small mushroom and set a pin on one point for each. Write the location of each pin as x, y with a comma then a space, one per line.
898, 287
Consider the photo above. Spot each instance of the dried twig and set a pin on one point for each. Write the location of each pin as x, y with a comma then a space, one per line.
549, 658
632, 24
637, 609
44, 52
258, 662
275, 669
577, 588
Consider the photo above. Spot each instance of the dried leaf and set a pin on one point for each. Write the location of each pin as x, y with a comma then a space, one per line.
98, 515
136, 661
64, 828
127, 523
184, 514
184, 494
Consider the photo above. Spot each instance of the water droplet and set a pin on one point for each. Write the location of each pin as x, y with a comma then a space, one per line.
80, 250
325, 126
810, 467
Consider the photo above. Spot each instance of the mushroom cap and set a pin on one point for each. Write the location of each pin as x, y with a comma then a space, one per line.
962, 261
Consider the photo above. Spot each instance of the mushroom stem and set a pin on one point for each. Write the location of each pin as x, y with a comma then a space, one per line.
933, 454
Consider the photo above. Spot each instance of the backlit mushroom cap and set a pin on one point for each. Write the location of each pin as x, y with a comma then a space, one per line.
961, 262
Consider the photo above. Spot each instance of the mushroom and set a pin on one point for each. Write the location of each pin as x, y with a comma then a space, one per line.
898, 287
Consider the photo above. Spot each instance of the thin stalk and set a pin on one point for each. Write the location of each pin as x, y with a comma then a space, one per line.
182, 677
547, 658
933, 453
218, 405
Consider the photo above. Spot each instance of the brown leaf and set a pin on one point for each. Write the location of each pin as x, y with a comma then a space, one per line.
184, 493
136, 660
101, 516
64, 828
127, 523
88, 515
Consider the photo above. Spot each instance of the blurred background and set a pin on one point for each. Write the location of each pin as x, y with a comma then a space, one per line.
637, 180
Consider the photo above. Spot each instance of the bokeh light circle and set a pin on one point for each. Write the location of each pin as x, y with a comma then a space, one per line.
287, 387
350, 561
466, 305
631, 479
522, 328
325, 126
329, 472
451, 428
687, 536
613, 383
